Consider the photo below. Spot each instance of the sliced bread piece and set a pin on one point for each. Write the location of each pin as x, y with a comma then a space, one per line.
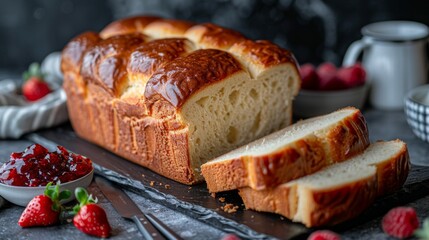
293, 152
338, 192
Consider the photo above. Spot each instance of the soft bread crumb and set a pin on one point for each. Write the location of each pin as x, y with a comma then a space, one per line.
288, 135
223, 132
152, 183
167, 186
221, 199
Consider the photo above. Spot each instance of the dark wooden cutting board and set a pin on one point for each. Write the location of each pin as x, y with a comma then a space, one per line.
196, 202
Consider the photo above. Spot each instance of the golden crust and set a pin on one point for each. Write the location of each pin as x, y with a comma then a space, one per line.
147, 58
209, 35
105, 64
74, 51
127, 26
303, 157
393, 173
172, 83
347, 139
166, 28
126, 85
326, 207
336, 205
262, 52
236, 171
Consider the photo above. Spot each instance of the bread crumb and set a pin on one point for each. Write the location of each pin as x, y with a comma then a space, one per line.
167, 186
189, 188
282, 218
152, 183
213, 195
160, 184
143, 175
229, 208
222, 199
252, 216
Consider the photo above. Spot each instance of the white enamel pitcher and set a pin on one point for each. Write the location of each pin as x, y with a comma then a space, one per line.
394, 57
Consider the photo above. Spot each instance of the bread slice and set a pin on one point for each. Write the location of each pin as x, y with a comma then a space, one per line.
293, 152
338, 192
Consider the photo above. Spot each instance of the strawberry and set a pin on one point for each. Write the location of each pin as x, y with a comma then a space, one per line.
328, 77
44, 210
90, 218
34, 88
400, 222
352, 76
309, 77
324, 235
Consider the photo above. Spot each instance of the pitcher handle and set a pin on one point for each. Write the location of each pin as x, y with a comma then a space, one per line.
354, 51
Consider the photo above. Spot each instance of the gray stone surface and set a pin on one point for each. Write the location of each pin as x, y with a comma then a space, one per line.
389, 125
382, 125
372, 229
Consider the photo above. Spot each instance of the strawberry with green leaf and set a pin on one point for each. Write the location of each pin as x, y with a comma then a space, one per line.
44, 209
90, 218
34, 88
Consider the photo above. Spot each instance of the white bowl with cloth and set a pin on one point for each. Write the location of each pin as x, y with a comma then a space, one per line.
18, 116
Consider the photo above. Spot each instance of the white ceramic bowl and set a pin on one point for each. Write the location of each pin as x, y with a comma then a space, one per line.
311, 103
417, 111
22, 195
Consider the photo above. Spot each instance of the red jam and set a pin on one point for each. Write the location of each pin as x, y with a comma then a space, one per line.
36, 166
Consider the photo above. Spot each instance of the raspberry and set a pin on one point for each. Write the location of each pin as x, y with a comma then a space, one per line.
324, 235
230, 237
352, 76
400, 222
309, 77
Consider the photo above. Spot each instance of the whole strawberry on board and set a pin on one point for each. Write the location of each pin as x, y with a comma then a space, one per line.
34, 88
44, 209
90, 218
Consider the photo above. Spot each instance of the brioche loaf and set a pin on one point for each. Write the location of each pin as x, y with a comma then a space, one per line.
293, 152
170, 95
338, 192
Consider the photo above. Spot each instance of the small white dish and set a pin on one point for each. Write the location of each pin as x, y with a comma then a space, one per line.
417, 111
311, 103
22, 195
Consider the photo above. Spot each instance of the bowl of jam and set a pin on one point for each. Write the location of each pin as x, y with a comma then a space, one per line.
27, 173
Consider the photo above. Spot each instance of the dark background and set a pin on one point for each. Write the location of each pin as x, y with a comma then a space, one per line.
315, 30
